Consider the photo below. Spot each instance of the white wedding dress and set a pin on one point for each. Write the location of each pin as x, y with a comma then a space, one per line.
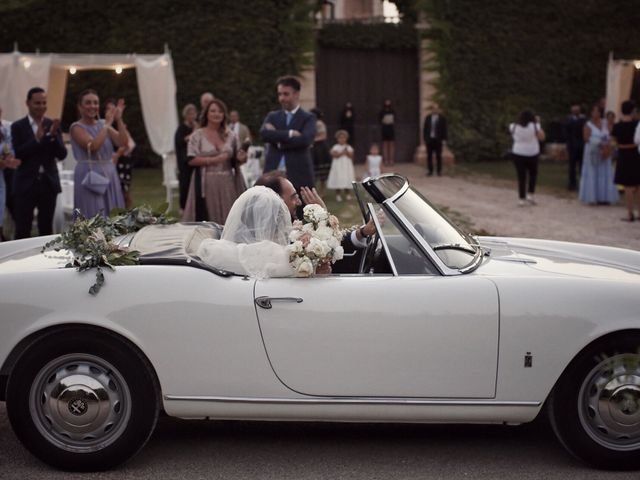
254, 238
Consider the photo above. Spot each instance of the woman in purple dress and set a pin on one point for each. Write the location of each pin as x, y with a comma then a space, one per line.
94, 141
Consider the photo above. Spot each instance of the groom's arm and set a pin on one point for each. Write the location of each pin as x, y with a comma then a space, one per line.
304, 138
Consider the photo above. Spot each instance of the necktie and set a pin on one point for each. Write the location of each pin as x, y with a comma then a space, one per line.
282, 165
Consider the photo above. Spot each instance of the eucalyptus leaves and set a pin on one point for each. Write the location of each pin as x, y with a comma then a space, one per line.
90, 240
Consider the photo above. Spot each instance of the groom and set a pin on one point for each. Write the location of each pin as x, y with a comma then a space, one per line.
277, 182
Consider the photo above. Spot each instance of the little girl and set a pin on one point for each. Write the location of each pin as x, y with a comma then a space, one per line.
374, 161
341, 174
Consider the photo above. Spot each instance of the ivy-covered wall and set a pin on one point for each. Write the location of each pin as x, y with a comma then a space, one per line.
499, 57
234, 49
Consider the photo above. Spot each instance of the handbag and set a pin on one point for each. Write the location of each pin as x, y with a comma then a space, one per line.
93, 181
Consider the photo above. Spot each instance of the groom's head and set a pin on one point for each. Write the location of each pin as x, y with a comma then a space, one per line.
277, 182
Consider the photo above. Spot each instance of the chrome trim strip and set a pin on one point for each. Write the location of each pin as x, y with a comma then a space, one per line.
350, 401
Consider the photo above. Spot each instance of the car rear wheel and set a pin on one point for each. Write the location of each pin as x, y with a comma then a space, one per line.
595, 407
82, 402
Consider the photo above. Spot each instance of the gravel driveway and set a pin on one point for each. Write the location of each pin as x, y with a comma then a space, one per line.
492, 206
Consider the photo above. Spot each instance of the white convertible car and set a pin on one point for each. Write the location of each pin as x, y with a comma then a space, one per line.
427, 324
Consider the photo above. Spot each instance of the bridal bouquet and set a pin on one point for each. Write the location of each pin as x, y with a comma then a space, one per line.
314, 241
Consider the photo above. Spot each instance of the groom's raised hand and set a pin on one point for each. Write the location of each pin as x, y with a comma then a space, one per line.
310, 195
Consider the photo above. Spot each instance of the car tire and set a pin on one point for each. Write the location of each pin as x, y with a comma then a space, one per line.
82, 401
595, 406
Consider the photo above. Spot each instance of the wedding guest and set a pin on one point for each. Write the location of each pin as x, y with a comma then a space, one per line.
288, 134
7, 161
205, 100
374, 161
434, 135
214, 184
628, 164
37, 141
596, 180
321, 155
94, 142
180, 142
575, 143
527, 135
122, 160
238, 128
611, 120
7, 174
347, 121
387, 118
341, 174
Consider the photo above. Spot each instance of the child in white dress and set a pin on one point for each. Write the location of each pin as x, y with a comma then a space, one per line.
374, 161
341, 174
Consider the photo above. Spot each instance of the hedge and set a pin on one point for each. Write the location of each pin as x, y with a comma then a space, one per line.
497, 58
234, 49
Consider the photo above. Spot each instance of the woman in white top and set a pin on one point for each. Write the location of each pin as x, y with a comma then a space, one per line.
527, 135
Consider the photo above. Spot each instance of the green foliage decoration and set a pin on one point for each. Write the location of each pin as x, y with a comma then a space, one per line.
91, 240
234, 49
497, 58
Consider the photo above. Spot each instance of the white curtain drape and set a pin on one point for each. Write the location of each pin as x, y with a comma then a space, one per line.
619, 83
20, 72
157, 88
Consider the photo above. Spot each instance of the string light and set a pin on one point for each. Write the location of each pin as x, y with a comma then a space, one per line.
637, 64
27, 64
118, 69
72, 70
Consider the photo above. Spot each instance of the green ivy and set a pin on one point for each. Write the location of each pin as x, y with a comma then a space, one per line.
497, 58
234, 49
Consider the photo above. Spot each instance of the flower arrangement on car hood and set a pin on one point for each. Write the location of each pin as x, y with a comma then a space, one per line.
90, 240
315, 240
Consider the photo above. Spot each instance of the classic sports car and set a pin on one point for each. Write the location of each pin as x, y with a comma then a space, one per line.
426, 324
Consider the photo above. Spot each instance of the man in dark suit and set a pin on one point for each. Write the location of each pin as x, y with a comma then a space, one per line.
575, 143
37, 141
435, 135
289, 134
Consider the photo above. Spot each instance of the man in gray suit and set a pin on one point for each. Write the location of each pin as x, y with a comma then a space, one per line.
288, 135
239, 128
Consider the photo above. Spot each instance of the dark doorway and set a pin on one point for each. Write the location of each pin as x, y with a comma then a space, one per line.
366, 78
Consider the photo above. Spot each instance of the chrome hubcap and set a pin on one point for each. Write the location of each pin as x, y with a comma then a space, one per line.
609, 402
80, 402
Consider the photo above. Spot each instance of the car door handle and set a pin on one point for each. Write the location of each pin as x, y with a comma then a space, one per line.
265, 302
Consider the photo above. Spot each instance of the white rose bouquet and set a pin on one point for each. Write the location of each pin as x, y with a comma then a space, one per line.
315, 241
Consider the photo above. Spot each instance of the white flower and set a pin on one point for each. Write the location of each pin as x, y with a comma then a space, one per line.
318, 248
295, 248
294, 235
308, 228
315, 213
338, 253
304, 267
324, 233
333, 243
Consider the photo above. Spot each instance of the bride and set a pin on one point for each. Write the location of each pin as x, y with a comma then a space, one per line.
254, 238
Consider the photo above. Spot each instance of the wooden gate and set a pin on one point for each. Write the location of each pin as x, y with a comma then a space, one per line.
366, 78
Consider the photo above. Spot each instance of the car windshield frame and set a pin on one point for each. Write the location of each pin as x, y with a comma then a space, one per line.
389, 194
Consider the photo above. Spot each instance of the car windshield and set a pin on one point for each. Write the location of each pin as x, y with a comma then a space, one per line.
455, 248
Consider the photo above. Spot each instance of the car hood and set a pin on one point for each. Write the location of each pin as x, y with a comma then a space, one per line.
565, 258
26, 255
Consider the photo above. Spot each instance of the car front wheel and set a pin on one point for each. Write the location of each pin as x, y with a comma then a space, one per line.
82, 402
595, 407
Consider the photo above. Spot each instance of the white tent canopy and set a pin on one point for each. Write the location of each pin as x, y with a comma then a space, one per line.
156, 84
620, 75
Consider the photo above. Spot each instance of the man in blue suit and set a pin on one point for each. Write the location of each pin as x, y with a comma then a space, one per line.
289, 134
37, 141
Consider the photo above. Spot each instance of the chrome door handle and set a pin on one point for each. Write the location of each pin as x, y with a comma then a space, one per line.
265, 302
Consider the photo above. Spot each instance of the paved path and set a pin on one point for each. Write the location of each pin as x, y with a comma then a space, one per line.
492, 206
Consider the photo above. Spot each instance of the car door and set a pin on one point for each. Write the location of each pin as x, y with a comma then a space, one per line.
381, 335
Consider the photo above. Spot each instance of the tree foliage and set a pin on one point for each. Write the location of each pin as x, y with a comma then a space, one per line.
496, 58
234, 49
